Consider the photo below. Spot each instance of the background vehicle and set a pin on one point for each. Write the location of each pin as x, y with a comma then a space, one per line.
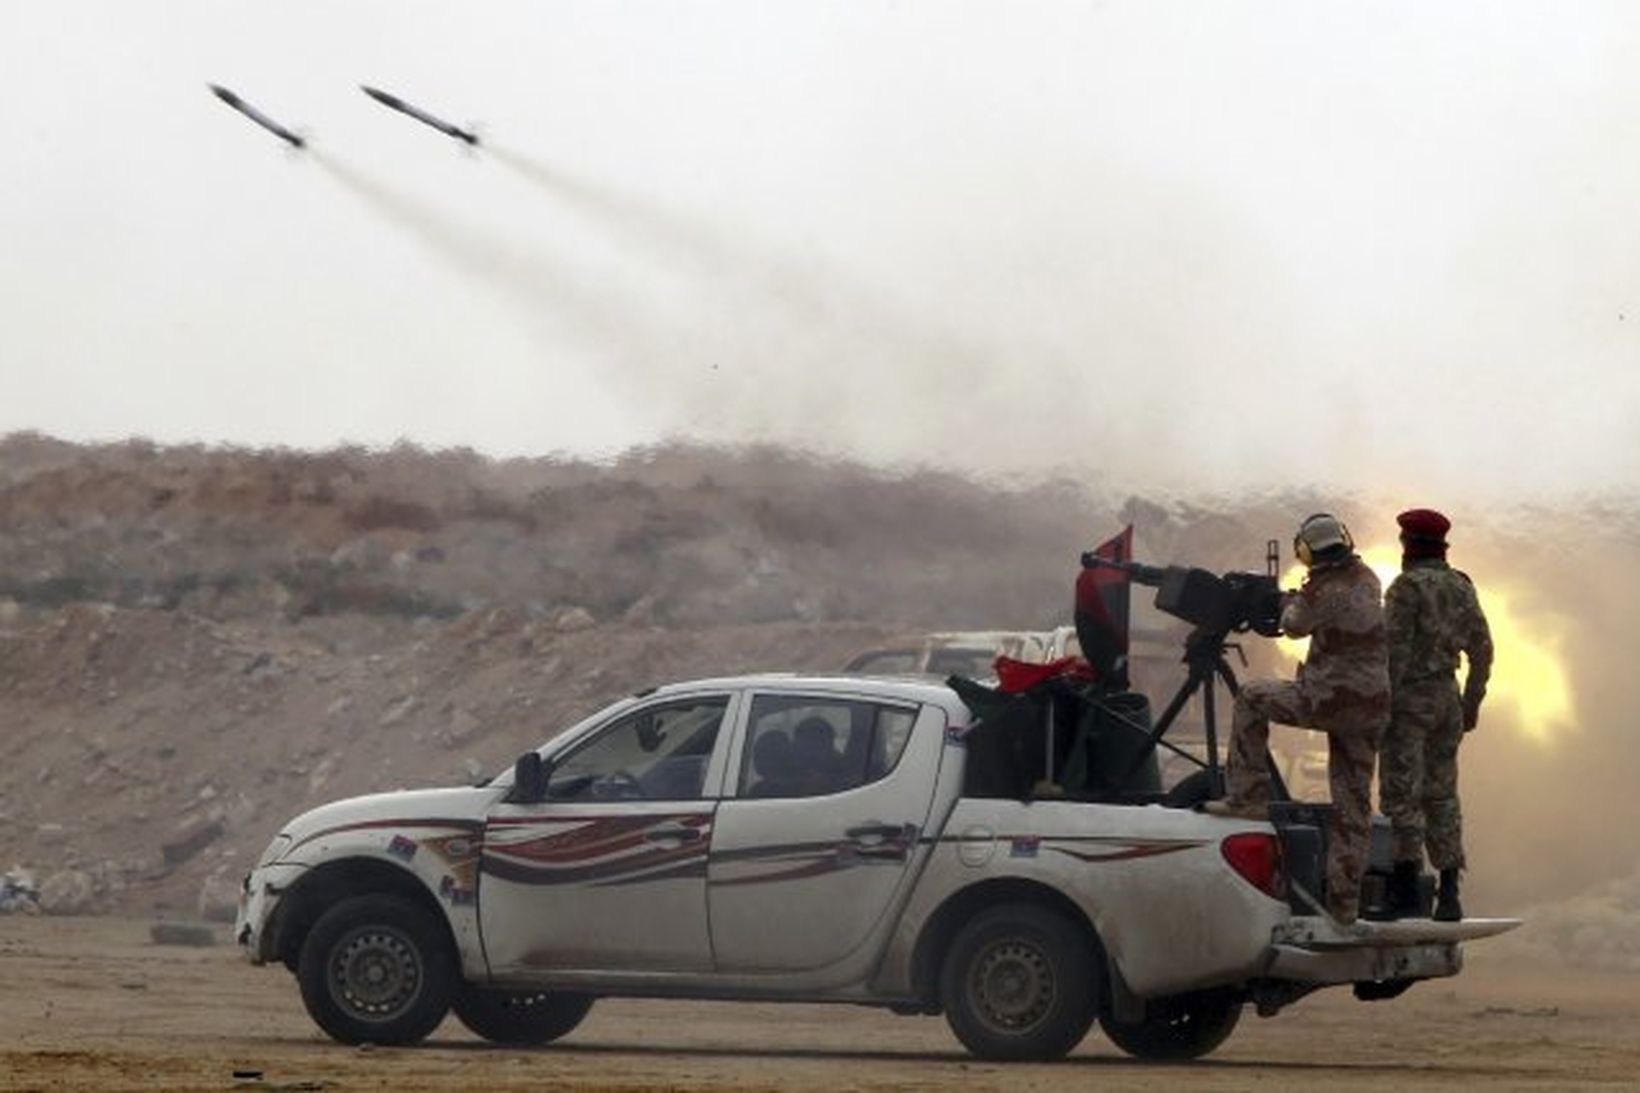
815, 839
957, 652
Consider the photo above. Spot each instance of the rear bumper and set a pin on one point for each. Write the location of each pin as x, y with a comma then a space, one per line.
1308, 949
1372, 964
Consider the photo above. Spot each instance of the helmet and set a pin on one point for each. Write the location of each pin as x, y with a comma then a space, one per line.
1322, 537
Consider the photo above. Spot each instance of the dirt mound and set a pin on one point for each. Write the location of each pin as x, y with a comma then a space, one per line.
669, 536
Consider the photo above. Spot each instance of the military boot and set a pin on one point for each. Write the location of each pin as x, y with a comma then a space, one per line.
1447, 907
1398, 898
1400, 893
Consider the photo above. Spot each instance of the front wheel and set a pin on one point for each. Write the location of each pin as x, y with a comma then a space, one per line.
377, 969
1186, 1026
1019, 982
520, 1017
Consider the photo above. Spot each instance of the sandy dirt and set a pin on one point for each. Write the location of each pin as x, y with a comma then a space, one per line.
90, 1003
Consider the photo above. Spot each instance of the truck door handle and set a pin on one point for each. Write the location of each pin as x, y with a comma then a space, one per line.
672, 833
875, 829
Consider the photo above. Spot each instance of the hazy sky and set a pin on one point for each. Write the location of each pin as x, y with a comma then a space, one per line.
1188, 246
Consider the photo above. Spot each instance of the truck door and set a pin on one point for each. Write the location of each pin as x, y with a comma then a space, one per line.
609, 872
832, 793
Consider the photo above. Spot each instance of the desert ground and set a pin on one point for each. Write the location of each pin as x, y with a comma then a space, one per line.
91, 1003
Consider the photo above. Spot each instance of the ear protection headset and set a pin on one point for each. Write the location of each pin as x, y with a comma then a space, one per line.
1319, 532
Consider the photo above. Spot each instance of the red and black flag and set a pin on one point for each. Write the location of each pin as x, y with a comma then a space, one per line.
1102, 609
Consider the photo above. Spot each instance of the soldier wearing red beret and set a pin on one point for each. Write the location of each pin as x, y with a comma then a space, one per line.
1433, 615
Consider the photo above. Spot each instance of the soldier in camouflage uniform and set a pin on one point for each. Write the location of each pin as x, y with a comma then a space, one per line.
1433, 615
1342, 690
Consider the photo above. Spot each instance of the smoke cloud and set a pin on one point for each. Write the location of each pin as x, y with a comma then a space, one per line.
1549, 808
1549, 817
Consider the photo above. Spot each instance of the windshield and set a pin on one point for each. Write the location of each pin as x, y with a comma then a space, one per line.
504, 778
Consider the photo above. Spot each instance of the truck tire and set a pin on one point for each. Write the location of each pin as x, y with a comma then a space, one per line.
1019, 982
1186, 1026
520, 1017
377, 969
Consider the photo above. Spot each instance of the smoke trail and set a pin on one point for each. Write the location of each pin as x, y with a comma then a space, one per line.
726, 340
798, 353
703, 357
545, 292
807, 292
686, 242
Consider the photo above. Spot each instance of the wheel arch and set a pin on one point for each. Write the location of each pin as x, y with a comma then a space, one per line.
942, 926
343, 878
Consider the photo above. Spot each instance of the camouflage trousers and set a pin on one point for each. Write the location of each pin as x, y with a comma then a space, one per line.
1353, 732
1418, 779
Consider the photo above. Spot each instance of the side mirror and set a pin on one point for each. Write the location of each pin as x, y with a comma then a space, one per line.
529, 780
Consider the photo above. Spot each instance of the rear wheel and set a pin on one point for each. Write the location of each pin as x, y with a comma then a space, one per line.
520, 1017
1186, 1026
1019, 982
377, 969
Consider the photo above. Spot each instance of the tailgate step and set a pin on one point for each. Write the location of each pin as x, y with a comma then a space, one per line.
1315, 931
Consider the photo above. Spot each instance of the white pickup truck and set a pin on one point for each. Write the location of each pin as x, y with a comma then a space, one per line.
807, 839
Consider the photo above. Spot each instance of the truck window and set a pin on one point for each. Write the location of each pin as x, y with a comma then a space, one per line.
658, 754
810, 747
973, 663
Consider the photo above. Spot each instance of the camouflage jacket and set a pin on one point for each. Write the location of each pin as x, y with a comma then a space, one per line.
1339, 609
1433, 615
